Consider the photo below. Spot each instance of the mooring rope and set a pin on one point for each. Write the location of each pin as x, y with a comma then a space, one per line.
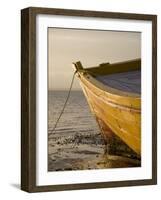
66, 101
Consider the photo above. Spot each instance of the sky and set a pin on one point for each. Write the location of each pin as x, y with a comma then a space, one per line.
91, 47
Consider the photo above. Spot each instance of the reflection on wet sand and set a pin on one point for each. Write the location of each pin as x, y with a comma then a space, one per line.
83, 151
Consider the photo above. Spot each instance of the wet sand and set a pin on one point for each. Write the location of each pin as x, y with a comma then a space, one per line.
83, 150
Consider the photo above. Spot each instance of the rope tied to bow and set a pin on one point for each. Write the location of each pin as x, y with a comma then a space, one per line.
65, 103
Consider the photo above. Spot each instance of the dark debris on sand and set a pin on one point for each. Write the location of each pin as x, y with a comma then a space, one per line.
84, 150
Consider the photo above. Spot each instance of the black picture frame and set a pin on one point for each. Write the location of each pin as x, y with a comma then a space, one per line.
28, 98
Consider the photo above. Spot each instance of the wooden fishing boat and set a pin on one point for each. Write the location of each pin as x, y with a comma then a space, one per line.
113, 92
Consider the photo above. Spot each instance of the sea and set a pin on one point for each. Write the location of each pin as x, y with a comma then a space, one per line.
76, 143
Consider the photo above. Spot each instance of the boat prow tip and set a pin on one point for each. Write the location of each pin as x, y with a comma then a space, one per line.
77, 65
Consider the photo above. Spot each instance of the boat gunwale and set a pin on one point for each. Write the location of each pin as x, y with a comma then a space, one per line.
119, 106
101, 87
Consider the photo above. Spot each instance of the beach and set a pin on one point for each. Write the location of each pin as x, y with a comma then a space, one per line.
76, 143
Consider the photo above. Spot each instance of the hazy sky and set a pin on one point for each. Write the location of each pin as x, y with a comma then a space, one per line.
91, 47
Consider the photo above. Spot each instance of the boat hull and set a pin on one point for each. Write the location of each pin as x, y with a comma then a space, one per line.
122, 120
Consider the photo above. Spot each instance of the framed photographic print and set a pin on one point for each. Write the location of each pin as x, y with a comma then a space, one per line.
88, 99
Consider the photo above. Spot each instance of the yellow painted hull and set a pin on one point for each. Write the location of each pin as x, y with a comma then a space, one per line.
114, 110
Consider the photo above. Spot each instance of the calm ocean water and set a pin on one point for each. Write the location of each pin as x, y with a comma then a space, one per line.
76, 117
76, 142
